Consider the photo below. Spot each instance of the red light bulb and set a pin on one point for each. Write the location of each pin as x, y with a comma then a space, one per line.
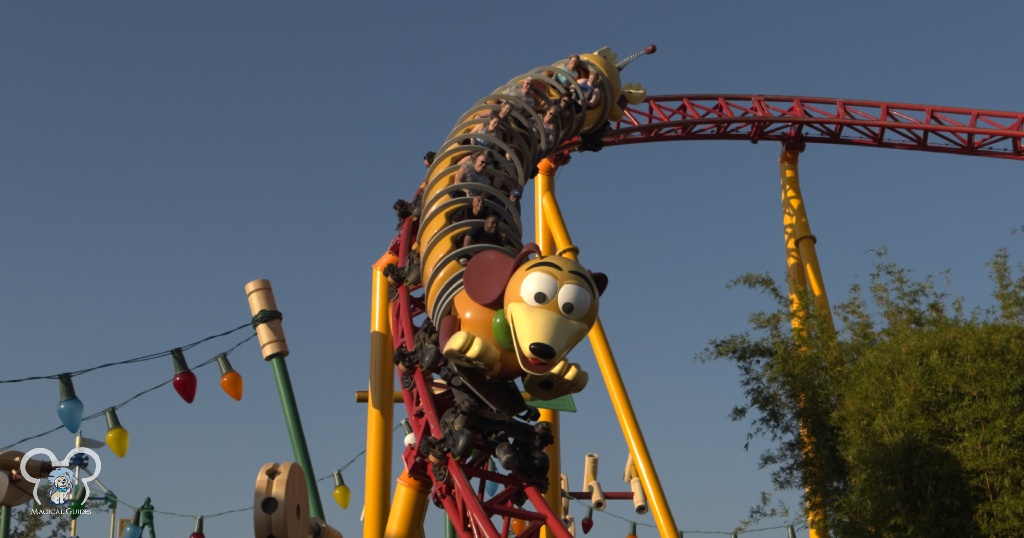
184, 380
588, 520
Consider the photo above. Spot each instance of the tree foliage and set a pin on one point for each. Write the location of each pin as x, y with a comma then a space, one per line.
34, 521
906, 420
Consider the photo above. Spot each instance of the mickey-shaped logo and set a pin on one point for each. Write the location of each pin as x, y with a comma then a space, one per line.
62, 479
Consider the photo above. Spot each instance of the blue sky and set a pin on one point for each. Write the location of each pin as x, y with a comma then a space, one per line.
156, 157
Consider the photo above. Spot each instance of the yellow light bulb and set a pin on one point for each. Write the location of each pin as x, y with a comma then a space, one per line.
341, 492
117, 440
342, 495
117, 436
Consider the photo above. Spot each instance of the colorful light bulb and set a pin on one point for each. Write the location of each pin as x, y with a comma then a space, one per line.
69, 409
492, 486
198, 533
341, 492
134, 529
77, 502
410, 437
588, 520
230, 380
117, 436
184, 379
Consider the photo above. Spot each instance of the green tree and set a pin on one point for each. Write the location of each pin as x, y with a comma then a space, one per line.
790, 381
30, 520
916, 407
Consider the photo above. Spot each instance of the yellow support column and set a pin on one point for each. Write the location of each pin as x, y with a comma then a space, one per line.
544, 183
617, 391
380, 412
801, 257
803, 272
409, 509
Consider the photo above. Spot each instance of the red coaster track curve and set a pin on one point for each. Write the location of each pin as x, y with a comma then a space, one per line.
938, 129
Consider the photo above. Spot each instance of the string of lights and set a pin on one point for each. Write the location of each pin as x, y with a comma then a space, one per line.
632, 523
334, 474
133, 360
184, 382
70, 407
355, 458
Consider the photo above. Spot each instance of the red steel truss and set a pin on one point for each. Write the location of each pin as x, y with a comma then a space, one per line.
961, 131
458, 486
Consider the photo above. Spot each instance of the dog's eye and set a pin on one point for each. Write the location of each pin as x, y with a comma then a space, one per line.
574, 301
538, 289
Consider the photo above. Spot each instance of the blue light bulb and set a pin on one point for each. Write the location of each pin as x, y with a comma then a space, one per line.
492, 486
134, 529
70, 413
69, 409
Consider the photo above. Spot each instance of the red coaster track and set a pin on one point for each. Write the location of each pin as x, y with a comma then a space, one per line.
938, 129
469, 509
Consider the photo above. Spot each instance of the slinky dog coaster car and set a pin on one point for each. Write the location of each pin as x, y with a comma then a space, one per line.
519, 318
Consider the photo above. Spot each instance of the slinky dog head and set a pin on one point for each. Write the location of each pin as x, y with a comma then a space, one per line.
550, 302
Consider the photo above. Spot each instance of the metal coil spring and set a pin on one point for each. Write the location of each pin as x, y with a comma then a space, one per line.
514, 156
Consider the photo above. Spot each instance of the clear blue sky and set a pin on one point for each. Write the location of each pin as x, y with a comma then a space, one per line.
155, 157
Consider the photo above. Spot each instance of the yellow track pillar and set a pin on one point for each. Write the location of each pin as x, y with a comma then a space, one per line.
409, 509
803, 272
544, 183
801, 258
380, 412
616, 388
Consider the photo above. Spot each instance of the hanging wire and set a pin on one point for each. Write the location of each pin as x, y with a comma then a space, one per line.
354, 458
133, 360
147, 391
236, 510
347, 464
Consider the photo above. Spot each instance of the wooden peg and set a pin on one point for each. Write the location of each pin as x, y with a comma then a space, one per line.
270, 333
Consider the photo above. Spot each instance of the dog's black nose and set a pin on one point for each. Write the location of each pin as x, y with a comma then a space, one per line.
542, 351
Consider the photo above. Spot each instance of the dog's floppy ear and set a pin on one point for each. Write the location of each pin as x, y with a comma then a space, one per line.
601, 280
488, 272
486, 276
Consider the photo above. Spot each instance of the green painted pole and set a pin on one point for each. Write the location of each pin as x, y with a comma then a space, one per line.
5, 521
295, 433
449, 529
267, 322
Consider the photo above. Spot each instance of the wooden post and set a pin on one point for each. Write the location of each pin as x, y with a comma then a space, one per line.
271, 335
